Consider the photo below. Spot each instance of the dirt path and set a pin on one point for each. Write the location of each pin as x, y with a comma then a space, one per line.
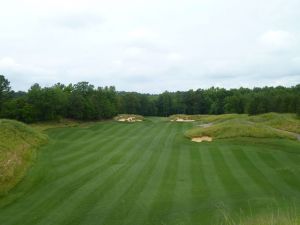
292, 133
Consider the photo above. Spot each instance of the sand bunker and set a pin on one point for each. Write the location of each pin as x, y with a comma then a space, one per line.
129, 119
201, 139
182, 120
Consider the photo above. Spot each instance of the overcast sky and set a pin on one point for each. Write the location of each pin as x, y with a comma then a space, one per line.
150, 46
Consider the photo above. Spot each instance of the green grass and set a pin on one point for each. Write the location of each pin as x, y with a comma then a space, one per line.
148, 173
18, 143
238, 128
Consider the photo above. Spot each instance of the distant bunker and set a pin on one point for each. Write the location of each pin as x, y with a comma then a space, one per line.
182, 120
129, 119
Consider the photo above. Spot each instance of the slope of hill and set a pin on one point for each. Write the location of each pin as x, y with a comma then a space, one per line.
17, 149
238, 128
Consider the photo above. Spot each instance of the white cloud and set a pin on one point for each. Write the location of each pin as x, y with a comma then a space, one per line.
143, 33
277, 39
7, 62
133, 51
150, 45
75, 20
174, 56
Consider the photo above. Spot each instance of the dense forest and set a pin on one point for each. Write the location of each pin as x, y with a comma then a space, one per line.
83, 101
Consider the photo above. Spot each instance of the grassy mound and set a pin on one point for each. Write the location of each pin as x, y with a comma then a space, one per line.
238, 128
208, 118
17, 144
129, 118
43, 126
288, 122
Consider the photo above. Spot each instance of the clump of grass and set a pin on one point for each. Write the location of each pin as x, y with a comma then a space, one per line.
278, 217
238, 128
42, 126
17, 149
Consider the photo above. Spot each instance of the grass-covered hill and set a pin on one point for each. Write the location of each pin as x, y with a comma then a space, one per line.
270, 125
18, 143
285, 121
238, 128
207, 118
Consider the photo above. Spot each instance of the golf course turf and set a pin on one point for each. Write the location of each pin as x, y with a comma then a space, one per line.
148, 172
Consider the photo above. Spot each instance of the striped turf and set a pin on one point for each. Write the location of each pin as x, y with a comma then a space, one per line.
148, 173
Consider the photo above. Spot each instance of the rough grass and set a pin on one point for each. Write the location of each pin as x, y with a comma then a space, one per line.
238, 128
149, 173
275, 217
17, 147
284, 121
288, 122
208, 118
42, 126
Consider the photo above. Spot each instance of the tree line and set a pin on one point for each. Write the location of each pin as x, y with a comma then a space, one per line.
83, 101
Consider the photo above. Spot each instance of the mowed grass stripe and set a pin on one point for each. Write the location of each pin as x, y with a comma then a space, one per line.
270, 174
233, 189
163, 198
100, 147
139, 212
182, 205
124, 193
238, 172
81, 164
97, 156
110, 132
67, 147
282, 169
252, 170
201, 208
251, 178
213, 182
128, 157
73, 182
230, 183
86, 199
219, 198
68, 152
73, 133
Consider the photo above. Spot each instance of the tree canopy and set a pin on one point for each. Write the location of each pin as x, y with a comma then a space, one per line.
84, 101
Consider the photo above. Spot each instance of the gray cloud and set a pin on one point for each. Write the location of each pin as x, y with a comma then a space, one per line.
131, 44
76, 20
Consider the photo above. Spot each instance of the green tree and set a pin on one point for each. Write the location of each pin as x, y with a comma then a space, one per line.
5, 91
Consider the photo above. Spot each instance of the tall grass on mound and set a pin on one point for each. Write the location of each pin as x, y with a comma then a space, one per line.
285, 121
208, 118
17, 147
43, 126
238, 128
279, 217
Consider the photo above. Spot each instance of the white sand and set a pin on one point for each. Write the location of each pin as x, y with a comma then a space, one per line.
200, 139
